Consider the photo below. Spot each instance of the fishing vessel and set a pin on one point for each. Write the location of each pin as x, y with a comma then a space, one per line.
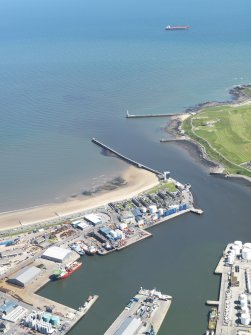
212, 320
78, 249
89, 250
177, 27
66, 271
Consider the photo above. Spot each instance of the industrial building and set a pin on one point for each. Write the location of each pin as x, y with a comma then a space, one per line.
11, 311
57, 254
24, 276
110, 234
127, 217
93, 219
129, 326
83, 225
42, 322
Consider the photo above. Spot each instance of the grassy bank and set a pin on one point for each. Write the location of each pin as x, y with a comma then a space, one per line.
225, 133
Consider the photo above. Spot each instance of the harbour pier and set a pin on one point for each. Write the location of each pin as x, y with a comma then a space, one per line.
231, 315
29, 298
141, 116
125, 158
144, 314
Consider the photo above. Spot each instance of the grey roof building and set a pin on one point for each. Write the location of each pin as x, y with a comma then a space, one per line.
57, 254
24, 276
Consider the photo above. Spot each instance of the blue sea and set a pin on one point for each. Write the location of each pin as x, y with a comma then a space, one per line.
69, 70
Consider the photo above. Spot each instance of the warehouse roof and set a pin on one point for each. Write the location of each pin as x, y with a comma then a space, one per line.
129, 326
56, 253
25, 275
93, 218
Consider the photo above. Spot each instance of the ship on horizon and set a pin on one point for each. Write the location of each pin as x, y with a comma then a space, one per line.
177, 27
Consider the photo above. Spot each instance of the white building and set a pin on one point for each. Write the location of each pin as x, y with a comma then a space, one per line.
57, 254
93, 218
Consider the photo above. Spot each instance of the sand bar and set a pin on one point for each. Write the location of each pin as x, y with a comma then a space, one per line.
137, 181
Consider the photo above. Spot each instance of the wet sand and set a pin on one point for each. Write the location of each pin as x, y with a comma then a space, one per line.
137, 181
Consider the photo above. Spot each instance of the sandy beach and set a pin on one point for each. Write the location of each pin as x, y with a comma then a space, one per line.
137, 181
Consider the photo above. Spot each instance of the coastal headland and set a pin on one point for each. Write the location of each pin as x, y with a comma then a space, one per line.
220, 133
136, 181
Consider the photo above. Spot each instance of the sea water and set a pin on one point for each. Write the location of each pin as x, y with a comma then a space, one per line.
69, 71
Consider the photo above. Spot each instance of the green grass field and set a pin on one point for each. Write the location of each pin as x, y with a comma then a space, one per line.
169, 186
225, 132
247, 92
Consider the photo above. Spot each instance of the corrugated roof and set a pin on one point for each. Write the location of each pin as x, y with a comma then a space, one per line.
93, 218
26, 274
129, 326
56, 253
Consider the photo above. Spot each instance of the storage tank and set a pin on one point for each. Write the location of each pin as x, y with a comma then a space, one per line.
244, 303
245, 310
143, 209
161, 211
233, 252
236, 249
245, 319
153, 209
246, 253
247, 245
47, 317
239, 243
55, 320
242, 297
231, 259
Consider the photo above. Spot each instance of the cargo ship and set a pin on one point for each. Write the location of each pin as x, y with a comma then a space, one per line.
177, 27
65, 272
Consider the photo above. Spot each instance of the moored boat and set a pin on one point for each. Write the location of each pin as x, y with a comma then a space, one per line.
65, 272
77, 248
89, 249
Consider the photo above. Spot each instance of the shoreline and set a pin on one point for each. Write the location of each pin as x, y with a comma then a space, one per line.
197, 149
137, 181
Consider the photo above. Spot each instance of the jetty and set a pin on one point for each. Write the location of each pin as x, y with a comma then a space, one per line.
144, 314
232, 314
125, 158
138, 116
197, 211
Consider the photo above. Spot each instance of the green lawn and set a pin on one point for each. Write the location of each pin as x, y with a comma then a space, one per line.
247, 91
170, 186
227, 129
